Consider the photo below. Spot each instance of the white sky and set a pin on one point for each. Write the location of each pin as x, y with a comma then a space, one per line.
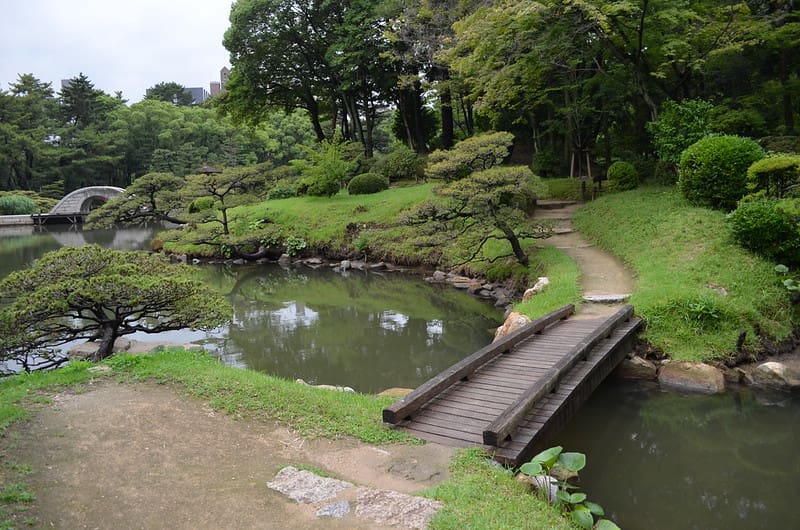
120, 45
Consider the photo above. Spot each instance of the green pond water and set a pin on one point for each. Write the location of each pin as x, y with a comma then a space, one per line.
656, 460
368, 331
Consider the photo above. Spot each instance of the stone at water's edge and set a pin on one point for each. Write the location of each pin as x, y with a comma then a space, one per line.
537, 288
692, 377
513, 322
775, 375
395, 392
636, 368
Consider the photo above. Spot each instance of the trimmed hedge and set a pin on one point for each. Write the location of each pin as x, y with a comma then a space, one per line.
774, 175
768, 227
622, 176
713, 171
367, 183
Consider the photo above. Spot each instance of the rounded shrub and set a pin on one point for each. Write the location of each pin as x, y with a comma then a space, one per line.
283, 190
776, 175
713, 171
400, 164
16, 205
201, 204
622, 176
366, 183
768, 227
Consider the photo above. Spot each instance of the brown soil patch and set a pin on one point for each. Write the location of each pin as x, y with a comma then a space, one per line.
143, 456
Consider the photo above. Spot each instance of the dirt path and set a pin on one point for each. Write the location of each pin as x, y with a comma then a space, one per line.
142, 456
605, 280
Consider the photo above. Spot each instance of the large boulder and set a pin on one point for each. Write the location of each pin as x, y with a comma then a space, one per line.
513, 322
692, 377
775, 375
636, 368
537, 288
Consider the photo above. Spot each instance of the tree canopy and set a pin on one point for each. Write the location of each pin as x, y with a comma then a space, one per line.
99, 294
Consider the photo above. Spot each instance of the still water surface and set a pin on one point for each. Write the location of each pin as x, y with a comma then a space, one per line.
662, 461
656, 460
367, 331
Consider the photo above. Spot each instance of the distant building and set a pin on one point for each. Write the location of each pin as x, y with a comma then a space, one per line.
223, 77
199, 94
218, 87
65, 83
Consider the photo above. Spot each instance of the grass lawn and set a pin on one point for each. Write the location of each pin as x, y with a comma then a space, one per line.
695, 287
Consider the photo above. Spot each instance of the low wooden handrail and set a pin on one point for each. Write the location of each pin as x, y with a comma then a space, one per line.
502, 427
406, 406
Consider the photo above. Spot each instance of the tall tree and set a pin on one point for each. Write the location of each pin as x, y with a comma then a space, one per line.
171, 92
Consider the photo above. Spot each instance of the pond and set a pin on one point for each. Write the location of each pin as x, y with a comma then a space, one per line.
368, 331
656, 460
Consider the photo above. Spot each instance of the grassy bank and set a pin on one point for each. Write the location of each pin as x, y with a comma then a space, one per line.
478, 495
695, 287
371, 227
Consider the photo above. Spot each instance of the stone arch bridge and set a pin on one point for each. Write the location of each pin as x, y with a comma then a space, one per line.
76, 205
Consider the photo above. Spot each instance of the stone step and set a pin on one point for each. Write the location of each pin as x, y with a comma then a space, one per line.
554, 204
605, 298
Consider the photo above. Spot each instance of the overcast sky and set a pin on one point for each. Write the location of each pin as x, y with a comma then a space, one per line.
120, 45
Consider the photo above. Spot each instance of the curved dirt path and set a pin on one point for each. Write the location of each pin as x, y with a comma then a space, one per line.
606, 282
120, 456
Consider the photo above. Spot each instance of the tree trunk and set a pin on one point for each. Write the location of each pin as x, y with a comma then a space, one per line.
107, 339
516, 246
446, 103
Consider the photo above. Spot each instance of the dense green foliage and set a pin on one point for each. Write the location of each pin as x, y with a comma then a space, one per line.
713, 171
401, 163
170, 92
328, 168
622, 176
477, 153
678, 126
695, 300
776, 175
367, 183
16, 205
769, 227
94, 293
55, 143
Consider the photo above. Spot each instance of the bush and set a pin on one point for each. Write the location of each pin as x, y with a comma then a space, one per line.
401, 164
547, 163
367, 183
781, 144
713, 171
43, 204
201, 204
567, 189
282, 190
774, 175
622, 176
678, 126
768, 227
16, 205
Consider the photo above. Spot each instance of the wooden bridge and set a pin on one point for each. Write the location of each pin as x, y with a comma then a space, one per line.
515, 394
